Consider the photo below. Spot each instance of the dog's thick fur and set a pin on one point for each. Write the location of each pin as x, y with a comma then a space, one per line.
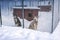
33, 24
17, 21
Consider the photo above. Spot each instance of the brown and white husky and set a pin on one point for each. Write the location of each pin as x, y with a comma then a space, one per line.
33, 24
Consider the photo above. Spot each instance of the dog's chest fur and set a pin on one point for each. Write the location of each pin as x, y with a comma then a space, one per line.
33, 25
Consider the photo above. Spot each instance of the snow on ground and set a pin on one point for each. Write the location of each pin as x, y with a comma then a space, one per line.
18, 33
56, 33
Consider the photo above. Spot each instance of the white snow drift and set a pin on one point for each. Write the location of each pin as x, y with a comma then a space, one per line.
18, 33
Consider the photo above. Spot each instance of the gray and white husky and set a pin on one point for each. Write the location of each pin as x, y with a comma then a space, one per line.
17, 21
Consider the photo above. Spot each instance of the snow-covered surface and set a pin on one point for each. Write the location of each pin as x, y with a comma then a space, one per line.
18, 33
26, 8
56, 33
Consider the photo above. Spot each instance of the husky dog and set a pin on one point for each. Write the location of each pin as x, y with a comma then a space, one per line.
17, 21
33, 24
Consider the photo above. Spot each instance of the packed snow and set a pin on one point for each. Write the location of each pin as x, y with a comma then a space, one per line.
56, 33
19, 33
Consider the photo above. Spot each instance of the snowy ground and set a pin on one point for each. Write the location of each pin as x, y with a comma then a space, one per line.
56, 33
18, 33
